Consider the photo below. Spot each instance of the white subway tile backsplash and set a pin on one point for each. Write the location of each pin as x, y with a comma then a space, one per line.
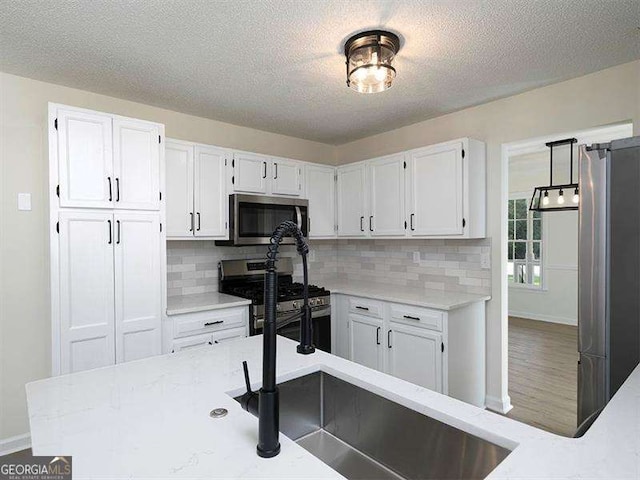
444, 264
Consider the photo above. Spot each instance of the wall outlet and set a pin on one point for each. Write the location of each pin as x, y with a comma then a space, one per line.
485, 261
416, 257
24, 201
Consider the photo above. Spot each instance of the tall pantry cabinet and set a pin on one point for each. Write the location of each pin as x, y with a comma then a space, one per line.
107, 240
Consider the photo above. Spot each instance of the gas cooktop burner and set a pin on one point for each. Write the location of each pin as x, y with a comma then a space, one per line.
291, 291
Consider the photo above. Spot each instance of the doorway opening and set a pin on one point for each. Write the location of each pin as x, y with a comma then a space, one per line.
541, 264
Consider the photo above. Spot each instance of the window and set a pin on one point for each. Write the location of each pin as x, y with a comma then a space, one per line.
524, 252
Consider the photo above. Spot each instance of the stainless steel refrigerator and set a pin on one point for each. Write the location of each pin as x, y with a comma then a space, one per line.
609, 272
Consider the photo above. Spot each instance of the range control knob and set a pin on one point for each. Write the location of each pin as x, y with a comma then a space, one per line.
295, 304
313, 301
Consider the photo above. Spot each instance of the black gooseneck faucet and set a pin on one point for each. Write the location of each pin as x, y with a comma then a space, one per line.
266, 403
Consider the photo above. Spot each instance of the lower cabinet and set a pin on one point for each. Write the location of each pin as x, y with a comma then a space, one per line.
208, 328
443, 351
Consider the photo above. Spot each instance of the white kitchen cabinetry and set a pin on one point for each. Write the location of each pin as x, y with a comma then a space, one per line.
210, 327
137, 280
286, 177
197, 201
107, 248
106, 161
352, 200
386, 216
446, 190
321, 192
440, 350
259, 174
366, 341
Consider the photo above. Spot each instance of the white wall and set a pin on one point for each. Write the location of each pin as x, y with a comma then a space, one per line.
602, 98
25, 331
558, 300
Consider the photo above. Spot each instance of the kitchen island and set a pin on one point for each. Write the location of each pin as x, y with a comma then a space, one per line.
150, 419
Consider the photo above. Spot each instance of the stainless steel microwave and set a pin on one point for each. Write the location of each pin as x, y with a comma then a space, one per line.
253, 218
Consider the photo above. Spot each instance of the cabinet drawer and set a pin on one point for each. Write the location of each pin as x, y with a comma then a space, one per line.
194, 341
417, 316
229, 334
363, 306
203, 322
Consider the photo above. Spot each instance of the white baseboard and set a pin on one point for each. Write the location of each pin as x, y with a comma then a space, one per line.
500, 405
15, 444
544, 318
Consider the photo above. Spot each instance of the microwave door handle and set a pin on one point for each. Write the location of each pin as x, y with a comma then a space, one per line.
298, 217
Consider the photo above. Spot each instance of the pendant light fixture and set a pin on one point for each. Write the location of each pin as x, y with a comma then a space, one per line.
549, 198
370, 58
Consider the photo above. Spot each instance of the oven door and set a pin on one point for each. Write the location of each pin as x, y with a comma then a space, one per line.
321, 332
255, 217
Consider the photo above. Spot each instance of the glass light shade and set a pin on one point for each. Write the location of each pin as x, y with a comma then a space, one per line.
370, 58
576, 196
561, 198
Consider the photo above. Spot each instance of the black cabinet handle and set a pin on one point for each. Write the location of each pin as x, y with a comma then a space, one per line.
191, 221
117, 189
411, 221
110, 234
389, 338
362, 308
110, 194
275, 166
412, 318
118, 237
371, 223
198, 221
265, 170
378, 336
361, 227
217, 322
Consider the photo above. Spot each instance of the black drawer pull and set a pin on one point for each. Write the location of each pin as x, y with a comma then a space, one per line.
389, 338
412, 318
378, 336
217, 322
362, 308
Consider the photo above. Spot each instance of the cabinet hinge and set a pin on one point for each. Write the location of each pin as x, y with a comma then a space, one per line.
58, 227
464, 223
55, 123
58, 190
442, 347
463, 153
159, 139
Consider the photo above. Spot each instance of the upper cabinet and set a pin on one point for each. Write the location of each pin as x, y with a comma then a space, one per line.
432, 192
197, 200
352, 200
321, 191
106, 161
259, 174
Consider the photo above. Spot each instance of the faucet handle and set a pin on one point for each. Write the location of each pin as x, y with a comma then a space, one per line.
247, 382
249, 400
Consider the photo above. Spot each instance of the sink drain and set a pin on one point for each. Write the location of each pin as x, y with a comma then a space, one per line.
218, 412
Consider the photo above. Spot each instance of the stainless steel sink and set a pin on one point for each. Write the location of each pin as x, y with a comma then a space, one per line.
362, 435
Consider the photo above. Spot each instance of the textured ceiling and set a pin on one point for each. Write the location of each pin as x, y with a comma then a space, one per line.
277, 65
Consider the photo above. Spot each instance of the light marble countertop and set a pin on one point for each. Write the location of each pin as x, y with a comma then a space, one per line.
438, 299
150, 419
203, 301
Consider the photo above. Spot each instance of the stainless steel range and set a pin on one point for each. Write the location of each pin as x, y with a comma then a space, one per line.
245, 278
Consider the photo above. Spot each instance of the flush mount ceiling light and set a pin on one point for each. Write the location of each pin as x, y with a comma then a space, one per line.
370, 58
541, 201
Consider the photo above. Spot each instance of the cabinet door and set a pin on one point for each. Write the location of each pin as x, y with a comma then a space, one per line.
210, 194
387, 184
230, 334
351, 201
321, 192
188, 343
366, 341
136, 162
249, 173
138, 285
179, 189
85, 159
435, 184
86, 244
415, 355
287, 177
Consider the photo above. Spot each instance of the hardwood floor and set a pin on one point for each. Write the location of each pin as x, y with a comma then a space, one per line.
543, 374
